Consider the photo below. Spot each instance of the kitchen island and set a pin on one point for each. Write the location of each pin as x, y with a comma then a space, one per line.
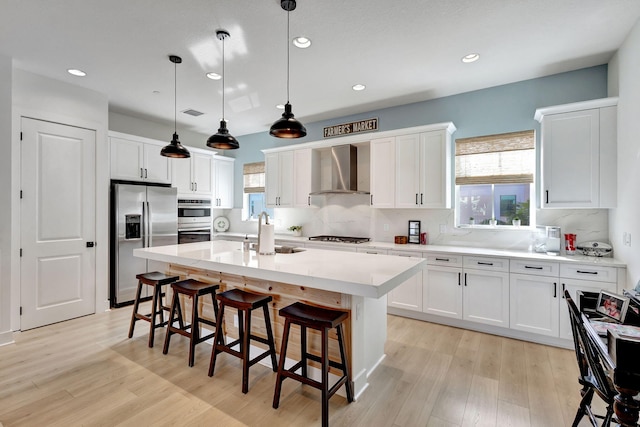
354, 282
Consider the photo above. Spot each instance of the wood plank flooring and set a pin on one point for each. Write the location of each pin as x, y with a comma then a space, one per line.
86, 372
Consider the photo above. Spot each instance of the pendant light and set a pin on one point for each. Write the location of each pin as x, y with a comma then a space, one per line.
175, 149
223, 140
287, 126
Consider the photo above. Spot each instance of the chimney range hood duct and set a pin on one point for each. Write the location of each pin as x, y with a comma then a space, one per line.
344, 171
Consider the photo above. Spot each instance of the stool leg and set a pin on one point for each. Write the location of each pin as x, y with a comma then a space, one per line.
217, 337
245, 350
272, 347
343, 358
325, 378
214, 302
195, 330
154, 313
136, 303
283, 356
174, 303
303, 350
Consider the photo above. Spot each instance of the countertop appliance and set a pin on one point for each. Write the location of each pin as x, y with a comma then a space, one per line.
194, 220
548, 240
141, 216
339, 239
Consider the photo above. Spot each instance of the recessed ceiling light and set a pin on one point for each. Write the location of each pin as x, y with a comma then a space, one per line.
214, 76
472, 57
302, 42
280, 106
75, 72
358, 87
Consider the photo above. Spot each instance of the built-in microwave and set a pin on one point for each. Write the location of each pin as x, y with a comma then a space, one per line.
194, 211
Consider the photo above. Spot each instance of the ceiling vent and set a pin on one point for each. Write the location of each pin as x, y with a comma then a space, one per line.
192, 112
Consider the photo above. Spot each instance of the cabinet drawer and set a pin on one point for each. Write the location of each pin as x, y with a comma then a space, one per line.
406, 253
372, 251
447, 260
536, 268
486, 263
596, 273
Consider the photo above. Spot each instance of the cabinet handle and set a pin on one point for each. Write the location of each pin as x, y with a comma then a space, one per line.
416, 198
145, 172
421, 199
196, 185
141, 176
443, 259
459, 279
465, 279
563, 291
308, 200
372, 200
533, 268
484, 263
547, 192
555, 290
586, 272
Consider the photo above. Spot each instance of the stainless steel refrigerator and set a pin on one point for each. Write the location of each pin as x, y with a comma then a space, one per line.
141, 216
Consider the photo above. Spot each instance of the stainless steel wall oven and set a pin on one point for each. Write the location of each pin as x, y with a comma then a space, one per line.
194, 220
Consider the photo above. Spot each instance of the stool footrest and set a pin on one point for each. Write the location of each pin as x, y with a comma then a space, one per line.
318, 359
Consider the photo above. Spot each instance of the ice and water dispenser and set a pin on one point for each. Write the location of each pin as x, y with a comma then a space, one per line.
132, 229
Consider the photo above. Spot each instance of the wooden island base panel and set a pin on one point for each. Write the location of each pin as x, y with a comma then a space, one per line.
354, 282
283, 295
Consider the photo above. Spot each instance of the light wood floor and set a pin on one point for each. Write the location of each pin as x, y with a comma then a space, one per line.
86, 372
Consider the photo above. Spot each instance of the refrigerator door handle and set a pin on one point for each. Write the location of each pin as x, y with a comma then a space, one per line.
149, 242
145, 224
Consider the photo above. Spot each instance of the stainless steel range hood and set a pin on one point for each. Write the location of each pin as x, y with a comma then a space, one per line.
343, 170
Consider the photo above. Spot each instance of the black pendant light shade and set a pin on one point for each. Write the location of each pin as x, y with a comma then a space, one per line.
287, 126
223, 140
175, 149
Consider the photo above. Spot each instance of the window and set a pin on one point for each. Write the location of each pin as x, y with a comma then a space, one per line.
494, 178
253, 182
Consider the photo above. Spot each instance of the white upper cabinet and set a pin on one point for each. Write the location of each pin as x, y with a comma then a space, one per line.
138, 159
279, 179
578, 152
383, 172
223, 182
305, 161
423, 170
194, 176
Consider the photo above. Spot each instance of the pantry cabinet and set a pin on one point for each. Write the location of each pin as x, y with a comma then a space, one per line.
135, 158
279, 179
578, 154
194, 176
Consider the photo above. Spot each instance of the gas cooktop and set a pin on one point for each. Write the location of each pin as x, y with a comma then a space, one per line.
339, 239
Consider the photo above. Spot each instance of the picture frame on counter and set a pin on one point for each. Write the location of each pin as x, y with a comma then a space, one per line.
414, 232
612, 305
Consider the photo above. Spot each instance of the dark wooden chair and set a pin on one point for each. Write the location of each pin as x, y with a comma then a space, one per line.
321, 319
192, 289
245, 303
593, 377
156, 280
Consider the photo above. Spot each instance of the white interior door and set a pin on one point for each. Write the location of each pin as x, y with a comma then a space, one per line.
57, 222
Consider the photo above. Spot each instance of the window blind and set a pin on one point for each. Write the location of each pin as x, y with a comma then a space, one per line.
507, 158
253, 177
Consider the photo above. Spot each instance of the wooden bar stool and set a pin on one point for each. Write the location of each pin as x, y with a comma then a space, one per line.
245, 303
321, 319
192, 289
157, 280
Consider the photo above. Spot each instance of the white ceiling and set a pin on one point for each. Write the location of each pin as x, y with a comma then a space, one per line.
402, 50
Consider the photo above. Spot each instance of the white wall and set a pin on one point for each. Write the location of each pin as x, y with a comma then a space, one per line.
44, 98
5, 200
624, 82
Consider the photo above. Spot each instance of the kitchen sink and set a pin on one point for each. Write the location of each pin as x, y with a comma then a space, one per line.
282, 249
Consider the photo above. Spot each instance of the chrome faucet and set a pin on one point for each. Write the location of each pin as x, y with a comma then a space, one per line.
260, 227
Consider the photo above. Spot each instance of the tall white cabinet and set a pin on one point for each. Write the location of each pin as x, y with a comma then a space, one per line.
578, 152
223, 182
194, 176
279, 179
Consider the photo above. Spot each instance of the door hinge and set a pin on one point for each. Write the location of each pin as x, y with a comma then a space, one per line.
20, 310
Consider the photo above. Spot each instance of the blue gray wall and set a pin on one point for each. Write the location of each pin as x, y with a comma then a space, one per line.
498, 109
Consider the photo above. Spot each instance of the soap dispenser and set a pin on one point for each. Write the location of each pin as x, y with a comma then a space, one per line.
245, 243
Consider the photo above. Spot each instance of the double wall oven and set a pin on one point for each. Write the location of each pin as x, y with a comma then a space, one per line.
194, 220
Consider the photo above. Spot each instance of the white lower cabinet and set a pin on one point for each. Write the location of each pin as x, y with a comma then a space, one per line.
534, 304
485, 293
408, 294
442, 291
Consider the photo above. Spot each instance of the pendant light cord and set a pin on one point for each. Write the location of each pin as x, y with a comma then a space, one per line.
288, 53
175, 97
223, 73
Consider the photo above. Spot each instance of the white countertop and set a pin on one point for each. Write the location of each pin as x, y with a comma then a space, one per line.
463, 250
345, 272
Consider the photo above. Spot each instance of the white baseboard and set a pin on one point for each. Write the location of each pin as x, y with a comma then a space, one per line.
6, 338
